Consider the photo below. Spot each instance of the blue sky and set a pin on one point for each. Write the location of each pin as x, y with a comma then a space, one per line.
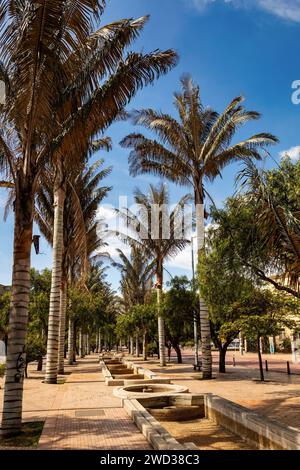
230, 47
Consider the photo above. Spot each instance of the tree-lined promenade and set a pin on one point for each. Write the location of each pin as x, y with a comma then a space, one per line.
67, 79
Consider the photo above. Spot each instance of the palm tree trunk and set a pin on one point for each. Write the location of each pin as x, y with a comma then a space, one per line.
145, 345
100, 342
54, 310
62, 326
161, 323
241, 346
137, 346
87, 344
131, 346
97, 342
80, 351
204, 316
18, 318
70, 342
74, 342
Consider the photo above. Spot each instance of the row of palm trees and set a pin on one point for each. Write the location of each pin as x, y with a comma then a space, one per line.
147, 238
189, 152
65, 83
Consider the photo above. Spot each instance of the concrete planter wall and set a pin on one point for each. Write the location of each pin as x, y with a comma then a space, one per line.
255, 429
261, 433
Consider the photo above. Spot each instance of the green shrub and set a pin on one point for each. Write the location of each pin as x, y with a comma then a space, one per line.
286, 345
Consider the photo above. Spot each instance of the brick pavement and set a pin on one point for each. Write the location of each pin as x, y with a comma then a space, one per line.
278, 398
83, 413
80, 414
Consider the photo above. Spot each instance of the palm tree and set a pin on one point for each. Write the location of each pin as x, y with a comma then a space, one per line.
191, 151
156, 241
136, 281
63, 83
136, 274
80, 237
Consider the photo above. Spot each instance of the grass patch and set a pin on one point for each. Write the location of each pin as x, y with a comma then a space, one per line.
61, 381
29, 436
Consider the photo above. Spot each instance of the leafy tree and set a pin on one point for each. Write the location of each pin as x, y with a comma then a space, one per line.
180, 304
260, 226
39, 300
224, 285
263, 314
35, 349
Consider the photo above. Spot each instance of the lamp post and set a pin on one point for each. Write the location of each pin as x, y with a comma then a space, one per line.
196, 346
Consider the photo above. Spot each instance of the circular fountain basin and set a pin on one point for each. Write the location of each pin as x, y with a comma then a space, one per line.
148, 390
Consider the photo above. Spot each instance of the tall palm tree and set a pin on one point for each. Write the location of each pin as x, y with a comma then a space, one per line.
136, 281
80, 237
136, 273
56, 317
156, 241
191, 150
63, 83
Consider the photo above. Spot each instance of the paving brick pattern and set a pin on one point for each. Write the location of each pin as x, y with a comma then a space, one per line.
277, 399
80, 414
83, 413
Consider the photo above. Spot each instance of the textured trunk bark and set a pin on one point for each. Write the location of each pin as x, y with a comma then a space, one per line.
241, 345
100, 342
62, 326
137, 346
18, 318
40, 364
70, 342
74, 342
87, 344
80, 343
145, 345
222, 359
196, 342
261, 369
161, 324
178, 353
131, 346
204, 316
97, 342
54, 310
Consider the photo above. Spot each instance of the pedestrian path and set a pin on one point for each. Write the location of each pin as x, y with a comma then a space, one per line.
87, 416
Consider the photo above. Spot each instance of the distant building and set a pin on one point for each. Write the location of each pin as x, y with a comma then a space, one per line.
4, 289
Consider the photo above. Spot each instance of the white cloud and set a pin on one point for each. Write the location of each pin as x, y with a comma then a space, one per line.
293, 152
182, 261
285, 9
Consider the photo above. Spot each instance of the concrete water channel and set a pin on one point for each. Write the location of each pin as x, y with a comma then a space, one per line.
171, 418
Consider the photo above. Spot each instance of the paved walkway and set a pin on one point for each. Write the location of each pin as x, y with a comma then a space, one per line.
80, 414
278, 398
